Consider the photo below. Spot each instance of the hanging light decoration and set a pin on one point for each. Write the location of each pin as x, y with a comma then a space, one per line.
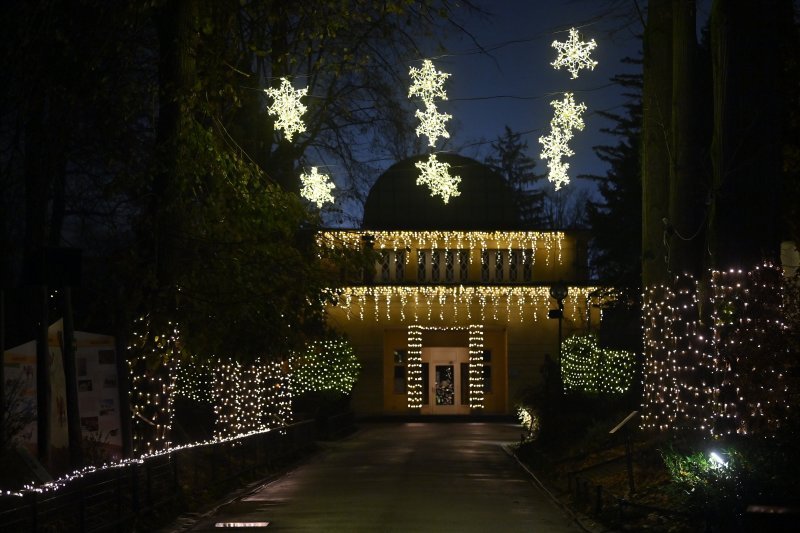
428, 85
574, 54
286, 105
555, 147
316, 187
436, 175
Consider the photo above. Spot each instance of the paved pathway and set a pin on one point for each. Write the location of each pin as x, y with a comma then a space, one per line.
414, 477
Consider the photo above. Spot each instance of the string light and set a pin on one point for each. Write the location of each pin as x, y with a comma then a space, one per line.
531, 241
414, 363
428, 302
153, 367
476, 384
724, 375
414, 366
329, 365
286, 105
586, 367
574, 54
316, 187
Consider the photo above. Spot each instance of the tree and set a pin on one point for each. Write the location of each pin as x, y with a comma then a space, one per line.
510, 160
656, 127
564, 208
748, 53
615, 219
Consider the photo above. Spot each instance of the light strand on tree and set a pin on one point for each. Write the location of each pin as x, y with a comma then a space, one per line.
722, 376
153, 367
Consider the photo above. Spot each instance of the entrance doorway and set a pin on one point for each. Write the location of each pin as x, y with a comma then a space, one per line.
445, 380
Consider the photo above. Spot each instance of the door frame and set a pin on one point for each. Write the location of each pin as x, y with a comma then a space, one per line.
445, 355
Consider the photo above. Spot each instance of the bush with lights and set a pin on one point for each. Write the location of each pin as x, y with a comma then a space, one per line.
323, 375
529, 419
586, 367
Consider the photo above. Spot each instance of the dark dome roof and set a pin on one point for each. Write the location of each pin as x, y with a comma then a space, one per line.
396, 202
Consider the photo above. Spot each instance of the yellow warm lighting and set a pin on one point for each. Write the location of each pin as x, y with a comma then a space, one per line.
439, 303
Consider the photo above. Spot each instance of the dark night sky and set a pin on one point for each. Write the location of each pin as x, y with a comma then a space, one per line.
522, 69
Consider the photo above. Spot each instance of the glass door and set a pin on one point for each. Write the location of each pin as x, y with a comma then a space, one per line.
445, 384
443, 380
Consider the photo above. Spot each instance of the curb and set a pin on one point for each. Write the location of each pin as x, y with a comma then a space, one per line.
583, 522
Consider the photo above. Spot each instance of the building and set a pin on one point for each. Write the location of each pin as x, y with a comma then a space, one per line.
454, 317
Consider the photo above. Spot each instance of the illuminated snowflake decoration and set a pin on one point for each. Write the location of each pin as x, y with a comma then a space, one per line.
287, 107
558, 173
555, 145
431, 124
567, 114
428, 83
316, 187
574, 54
436, 175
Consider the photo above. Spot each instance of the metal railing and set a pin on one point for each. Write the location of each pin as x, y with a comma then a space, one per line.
116, 499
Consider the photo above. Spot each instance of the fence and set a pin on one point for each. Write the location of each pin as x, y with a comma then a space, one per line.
115, 499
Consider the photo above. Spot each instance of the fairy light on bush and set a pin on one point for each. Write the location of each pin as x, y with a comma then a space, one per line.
586, 367
287, 107
265, 407
329, 365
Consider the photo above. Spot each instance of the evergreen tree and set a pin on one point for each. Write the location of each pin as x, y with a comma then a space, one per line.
616, 219
510, 160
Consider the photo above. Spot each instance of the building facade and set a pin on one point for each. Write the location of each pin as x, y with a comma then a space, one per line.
455, 321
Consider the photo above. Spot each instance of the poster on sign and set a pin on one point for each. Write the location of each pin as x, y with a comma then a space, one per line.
98, 398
